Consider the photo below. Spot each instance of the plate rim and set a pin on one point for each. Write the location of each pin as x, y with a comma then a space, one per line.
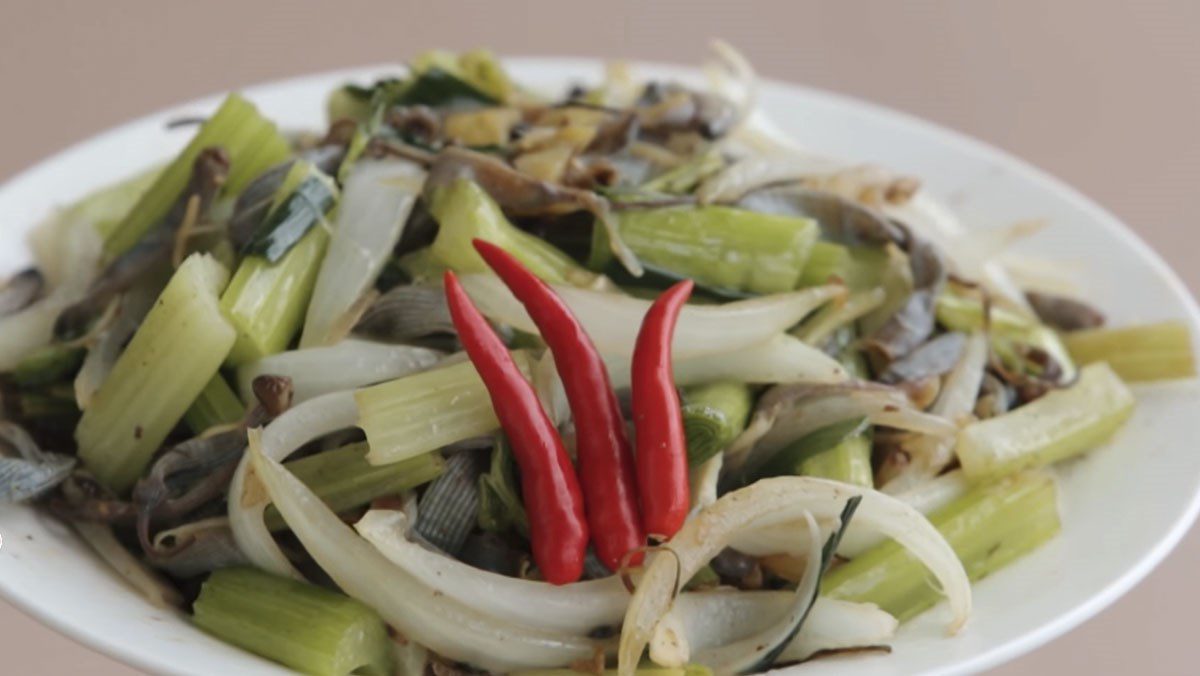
1022, 644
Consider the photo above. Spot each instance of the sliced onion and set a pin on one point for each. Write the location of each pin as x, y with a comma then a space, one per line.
450, 628
757, 651
247, 502
780, 500
928, 456
374, 208
926, 497
578, 607
757, 171
714, 618
612, 320
349, 364
704, 482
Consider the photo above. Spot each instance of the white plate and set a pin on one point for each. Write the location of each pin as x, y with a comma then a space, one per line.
1124, 507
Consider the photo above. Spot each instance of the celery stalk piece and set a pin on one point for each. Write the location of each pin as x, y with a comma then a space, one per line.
713, 416
1137, 353
416, 414
172, 357
217, 405
858, 267
465, 212
1061, 424
343, 479
302, 626
721, 247
253, 144
991, 526
48, 364
106, 207
840, 451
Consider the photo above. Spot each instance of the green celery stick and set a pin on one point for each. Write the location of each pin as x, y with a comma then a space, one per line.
343, 479
216, 405
1137, 353
1060, 424
465, 212
721, 247
840, 451
253, 143
302, 626
425, 411
171, 358
991, 526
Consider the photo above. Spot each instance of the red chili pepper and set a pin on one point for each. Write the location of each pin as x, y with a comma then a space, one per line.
662, 467
557, 526
606, 468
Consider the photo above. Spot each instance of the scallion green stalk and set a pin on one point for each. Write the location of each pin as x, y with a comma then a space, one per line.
217, 405
465, 212
841, 451
422, 412
1137, 353
1060, 424
253, 143
721, 247
172, 357
343, 479
302, 626
988, 528
713, 416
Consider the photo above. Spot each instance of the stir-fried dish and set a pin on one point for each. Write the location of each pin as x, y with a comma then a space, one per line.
484, 379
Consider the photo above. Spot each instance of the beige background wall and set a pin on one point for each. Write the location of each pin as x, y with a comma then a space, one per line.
1105, 95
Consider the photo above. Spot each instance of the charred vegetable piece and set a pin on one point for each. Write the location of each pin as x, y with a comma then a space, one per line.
307, 628
988, 528
1137, 353
172, 357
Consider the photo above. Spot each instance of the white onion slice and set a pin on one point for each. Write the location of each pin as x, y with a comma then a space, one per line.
926, 497
296, 427
452, 629
371, 216
578, 607
612, 320
714, 618
780, 500
346, 365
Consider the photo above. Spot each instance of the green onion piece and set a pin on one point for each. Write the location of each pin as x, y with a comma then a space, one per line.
857, 267
444, 78
713, 416
841, 451
266, 300
253, 143
302, 626
217, 405
343, 479
295, 212
721, 247
465, 212
1137, 353
425, 411
48, 364
500, 506
171, 358
439, 88
1060, 424
988, 528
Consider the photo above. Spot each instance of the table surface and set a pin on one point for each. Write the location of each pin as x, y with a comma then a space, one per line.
1105, 97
